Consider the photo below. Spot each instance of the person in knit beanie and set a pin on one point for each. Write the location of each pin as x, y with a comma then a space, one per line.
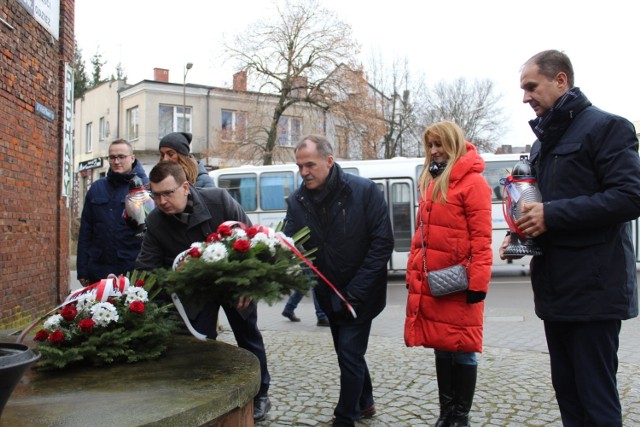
176, 147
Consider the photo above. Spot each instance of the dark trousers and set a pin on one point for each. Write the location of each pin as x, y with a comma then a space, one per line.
245, 330
356, 392
584, 363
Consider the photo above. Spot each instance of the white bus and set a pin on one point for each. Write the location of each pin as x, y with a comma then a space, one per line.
262, 192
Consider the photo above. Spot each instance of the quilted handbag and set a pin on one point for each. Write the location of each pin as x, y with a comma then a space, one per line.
448, 280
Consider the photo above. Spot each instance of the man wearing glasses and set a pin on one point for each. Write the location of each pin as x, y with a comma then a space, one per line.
185, 214
106, 244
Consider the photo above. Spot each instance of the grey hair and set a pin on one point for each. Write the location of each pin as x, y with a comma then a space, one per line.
324, 147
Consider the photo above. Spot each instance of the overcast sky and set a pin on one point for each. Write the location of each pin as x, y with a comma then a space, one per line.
442, 40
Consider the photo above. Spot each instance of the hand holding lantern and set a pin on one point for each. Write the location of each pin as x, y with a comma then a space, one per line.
137, 206
520, 187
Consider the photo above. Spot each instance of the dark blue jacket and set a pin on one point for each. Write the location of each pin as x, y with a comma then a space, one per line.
354, 242
589, 177
106, 244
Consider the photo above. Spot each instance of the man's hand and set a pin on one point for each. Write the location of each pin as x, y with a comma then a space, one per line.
502, 248
84, 282
243, 303
532, 221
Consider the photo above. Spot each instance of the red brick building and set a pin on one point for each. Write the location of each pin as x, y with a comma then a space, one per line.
36, 114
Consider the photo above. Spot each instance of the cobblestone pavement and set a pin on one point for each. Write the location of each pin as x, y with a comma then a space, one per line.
513, 388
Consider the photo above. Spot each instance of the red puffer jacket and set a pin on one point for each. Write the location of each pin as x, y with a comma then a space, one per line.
454, 233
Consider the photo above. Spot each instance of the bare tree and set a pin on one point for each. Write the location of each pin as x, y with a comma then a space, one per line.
475, 107
396, 107
293, 57
358, 124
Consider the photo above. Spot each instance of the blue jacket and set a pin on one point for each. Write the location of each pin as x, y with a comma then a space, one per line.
203, 180
589, 176
353, 235
106, 244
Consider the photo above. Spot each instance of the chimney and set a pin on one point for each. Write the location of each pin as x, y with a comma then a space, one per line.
299, 87
161, 75
240, 81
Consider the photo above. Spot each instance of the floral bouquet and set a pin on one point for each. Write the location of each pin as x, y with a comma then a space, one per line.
107, 322
237, 261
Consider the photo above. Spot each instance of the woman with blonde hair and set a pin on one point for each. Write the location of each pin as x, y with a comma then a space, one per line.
175, 147
453, 227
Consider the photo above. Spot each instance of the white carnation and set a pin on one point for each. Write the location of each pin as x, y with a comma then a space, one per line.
136, 293
86, 301
53, 322
238, 233
104, 313
216, 251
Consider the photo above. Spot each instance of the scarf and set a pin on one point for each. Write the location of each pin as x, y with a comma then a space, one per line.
553, 124
325, 196
435, 169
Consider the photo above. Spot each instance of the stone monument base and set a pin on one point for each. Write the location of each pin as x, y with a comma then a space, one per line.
194, 383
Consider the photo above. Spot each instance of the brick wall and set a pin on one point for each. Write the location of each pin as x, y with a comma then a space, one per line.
34, 218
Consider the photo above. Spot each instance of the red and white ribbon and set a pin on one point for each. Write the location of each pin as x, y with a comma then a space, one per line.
295, 250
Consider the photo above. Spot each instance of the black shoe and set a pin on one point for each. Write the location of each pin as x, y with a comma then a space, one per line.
323, 322
368, 412
261, 405
290, 316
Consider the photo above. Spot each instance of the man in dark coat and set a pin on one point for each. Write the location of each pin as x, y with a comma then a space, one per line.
184, 215
584, 282
106, 243
350, 227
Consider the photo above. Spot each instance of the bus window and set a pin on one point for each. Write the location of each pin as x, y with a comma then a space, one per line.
352, 171
242, 187
493, 172
401, 206
275, 187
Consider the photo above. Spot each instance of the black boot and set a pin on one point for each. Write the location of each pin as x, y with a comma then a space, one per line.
464, 385
444, 371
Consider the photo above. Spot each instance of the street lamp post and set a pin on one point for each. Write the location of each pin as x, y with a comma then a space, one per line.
184, 96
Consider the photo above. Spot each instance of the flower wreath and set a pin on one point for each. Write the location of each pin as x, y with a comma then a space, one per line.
107, 322
236, 261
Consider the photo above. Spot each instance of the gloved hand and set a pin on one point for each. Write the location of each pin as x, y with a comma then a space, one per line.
354, 302
474, 297
340, 310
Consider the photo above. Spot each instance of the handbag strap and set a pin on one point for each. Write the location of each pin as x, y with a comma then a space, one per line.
424, 251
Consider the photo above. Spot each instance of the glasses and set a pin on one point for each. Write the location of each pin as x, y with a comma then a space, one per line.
165, 194
119, 157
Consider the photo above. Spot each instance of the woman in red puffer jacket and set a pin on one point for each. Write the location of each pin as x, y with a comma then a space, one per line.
453, 227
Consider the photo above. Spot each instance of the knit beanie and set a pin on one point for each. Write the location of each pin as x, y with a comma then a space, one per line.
178, 141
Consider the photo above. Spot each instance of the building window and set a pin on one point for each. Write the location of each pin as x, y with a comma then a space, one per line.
289, 130
88, 139
172, 119
104, 129
132, 124
234, 125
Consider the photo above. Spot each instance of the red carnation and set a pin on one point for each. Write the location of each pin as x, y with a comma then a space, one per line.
225, 230
242, 245
213, 237
252, 231
139, 283
68, 312
86, 325
56, 337
41, 335
194, 252
136, 307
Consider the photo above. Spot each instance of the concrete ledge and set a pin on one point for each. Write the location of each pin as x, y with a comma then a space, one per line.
194, 384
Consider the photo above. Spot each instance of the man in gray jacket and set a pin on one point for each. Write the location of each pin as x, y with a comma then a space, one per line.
184, 215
